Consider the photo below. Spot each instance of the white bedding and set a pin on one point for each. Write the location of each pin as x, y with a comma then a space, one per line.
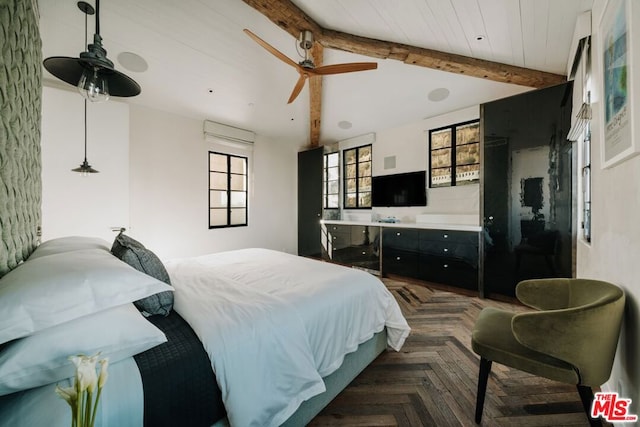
273, 324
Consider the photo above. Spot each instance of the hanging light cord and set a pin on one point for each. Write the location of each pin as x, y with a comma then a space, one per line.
86, 17
85, 130
97, 16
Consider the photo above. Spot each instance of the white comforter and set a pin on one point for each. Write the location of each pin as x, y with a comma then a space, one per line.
274, 324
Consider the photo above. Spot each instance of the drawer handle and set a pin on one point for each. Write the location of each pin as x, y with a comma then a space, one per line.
446, 266
364, 253
446, 236
397, 234
334, 237
446, 249
397, 258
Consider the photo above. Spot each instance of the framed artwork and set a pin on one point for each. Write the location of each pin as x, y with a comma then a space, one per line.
616, 50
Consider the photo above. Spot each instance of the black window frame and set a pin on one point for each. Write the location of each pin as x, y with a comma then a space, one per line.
229, 174
453, 155
358, 177
326, 180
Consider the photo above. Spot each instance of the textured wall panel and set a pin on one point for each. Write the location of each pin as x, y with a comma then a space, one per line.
20, 115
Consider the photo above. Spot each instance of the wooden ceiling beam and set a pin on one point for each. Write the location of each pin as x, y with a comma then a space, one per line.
315, 98
293, 20
441, 61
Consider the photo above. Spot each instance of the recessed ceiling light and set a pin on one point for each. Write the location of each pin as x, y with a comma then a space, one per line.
132, 62
480, 37
344, 124
439, 94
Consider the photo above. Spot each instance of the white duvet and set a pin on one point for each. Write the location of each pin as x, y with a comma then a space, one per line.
274, 324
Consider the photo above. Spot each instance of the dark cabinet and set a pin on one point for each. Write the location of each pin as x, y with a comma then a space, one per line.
309, 201
440, 256
355, 245
527, 189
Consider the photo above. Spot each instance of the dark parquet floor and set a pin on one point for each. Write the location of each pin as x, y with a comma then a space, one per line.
432, 381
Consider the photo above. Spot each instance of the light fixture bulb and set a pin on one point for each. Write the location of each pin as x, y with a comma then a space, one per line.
93, 86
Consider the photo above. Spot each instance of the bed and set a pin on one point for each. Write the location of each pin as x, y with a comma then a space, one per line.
251, 337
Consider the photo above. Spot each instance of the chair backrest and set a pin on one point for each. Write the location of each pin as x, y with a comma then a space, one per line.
581, 326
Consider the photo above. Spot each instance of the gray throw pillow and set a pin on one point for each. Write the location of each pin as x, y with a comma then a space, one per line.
142, 259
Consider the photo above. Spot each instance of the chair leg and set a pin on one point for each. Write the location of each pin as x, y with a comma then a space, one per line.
586, 395
483, 376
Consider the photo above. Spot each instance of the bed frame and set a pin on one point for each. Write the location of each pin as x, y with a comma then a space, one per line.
353, 364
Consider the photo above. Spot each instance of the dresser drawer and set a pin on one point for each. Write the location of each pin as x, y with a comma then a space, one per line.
454, 236
406, 239
402, 263
339, 240
451, 250
448, 272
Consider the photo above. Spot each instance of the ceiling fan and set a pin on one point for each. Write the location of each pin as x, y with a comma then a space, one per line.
306, 68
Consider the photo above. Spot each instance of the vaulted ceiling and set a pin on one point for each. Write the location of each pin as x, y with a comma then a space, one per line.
200, 64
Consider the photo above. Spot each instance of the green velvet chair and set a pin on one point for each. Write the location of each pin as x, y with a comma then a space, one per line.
571, 336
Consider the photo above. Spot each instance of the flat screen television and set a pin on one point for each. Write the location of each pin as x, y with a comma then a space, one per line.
404, 189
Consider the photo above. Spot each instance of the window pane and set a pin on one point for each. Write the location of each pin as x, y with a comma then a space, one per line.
333, 187
238, 199
468, 154
332, 201
333, 173
467, 174
332, 160
217, 217
364, 154
218, 199
238, 165
350, 186
440, 177
350, 156
364, 169
239, 182
364, 184
468, 133
238, 216
218, 162
350, 200
441, 158
351, 171
441, 139
217, 180
364, 199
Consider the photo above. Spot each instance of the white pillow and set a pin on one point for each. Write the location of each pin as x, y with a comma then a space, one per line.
54, 289
68, 244
42, 358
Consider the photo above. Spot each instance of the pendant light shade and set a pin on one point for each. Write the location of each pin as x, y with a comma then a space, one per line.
92, 72
85, 168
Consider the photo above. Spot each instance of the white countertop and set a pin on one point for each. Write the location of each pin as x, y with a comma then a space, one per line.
424, 225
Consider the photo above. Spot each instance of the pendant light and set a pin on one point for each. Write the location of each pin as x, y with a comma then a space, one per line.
85, 168
92, 72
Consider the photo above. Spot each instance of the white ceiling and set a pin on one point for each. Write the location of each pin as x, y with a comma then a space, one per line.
202, 65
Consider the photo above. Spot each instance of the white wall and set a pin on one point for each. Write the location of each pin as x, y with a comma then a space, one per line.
613, 253
169, 192
83, 205
409, 144
153, 180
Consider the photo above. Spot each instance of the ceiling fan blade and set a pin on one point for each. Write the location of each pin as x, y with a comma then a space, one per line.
298, 87
344, 68
272, 49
